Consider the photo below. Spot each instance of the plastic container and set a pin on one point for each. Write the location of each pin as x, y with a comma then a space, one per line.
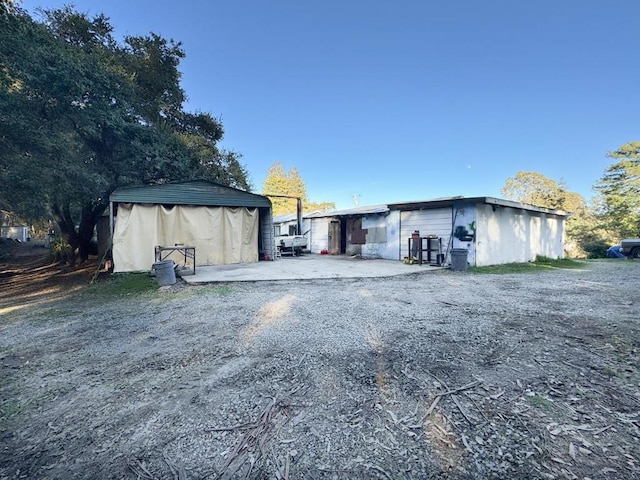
459, 259
165, 273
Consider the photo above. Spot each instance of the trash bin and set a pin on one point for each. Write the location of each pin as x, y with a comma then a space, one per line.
458, 259
165, 274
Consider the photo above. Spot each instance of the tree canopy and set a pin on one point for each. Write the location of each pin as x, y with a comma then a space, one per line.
320, 206
289, 183
282, 182
619, 190
82, 114
612, 215
536, 189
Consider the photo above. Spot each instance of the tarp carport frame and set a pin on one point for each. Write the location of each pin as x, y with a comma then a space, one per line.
197, 193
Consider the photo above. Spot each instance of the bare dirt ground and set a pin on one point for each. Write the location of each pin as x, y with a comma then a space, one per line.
433, 375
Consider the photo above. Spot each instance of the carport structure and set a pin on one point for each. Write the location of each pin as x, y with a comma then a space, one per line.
224, 224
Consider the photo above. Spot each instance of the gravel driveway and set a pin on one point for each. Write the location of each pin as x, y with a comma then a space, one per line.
432, 375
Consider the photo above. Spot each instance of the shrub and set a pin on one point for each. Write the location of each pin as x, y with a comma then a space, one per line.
61, 250
596, 248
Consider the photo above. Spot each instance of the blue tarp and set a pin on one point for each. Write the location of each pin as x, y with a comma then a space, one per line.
614, 252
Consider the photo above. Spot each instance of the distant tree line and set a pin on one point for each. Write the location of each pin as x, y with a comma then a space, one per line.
613, 213
82, 114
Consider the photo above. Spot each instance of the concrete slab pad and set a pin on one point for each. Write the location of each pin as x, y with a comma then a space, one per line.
305, 267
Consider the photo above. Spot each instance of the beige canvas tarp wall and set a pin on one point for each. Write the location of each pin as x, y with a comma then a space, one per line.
221, 235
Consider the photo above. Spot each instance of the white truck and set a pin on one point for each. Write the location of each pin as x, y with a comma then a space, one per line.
291, 244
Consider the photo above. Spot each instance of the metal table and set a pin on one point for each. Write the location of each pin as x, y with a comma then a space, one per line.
185, 252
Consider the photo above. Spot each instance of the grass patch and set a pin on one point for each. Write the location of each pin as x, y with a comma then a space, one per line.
47, 314
540, 402
123, 284
608, 372
541, 263
219, 290
10, 409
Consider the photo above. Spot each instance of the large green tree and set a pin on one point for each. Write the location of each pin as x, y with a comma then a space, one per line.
82, 114
619, 191
536, 189
281, 183
285, 183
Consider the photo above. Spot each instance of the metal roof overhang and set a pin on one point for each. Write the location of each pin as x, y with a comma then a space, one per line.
198, 192
457, 201
375, 209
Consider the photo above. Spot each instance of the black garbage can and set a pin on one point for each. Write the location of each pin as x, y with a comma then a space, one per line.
459, 259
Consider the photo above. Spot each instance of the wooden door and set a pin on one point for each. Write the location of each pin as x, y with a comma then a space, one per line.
334, 237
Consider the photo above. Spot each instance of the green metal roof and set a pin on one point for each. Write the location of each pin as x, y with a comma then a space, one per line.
197, 192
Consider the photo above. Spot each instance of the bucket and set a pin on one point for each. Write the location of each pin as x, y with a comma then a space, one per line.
165, 274
458, 259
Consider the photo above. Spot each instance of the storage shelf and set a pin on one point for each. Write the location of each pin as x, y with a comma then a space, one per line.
433, 250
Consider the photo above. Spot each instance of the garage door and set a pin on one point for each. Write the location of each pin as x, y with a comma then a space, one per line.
427, 222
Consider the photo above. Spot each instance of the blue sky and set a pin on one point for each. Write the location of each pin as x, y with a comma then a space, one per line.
406, 100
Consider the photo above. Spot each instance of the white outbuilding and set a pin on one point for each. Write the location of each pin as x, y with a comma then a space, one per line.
492, 231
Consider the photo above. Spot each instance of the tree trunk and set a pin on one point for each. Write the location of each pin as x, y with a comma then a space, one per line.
64, 219
91, 213
79, 239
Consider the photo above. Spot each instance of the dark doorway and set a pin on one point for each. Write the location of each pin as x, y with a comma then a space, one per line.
334, 237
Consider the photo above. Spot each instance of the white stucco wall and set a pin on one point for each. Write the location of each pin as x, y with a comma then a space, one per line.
509, 235
464, 216
318, 236
391, 247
